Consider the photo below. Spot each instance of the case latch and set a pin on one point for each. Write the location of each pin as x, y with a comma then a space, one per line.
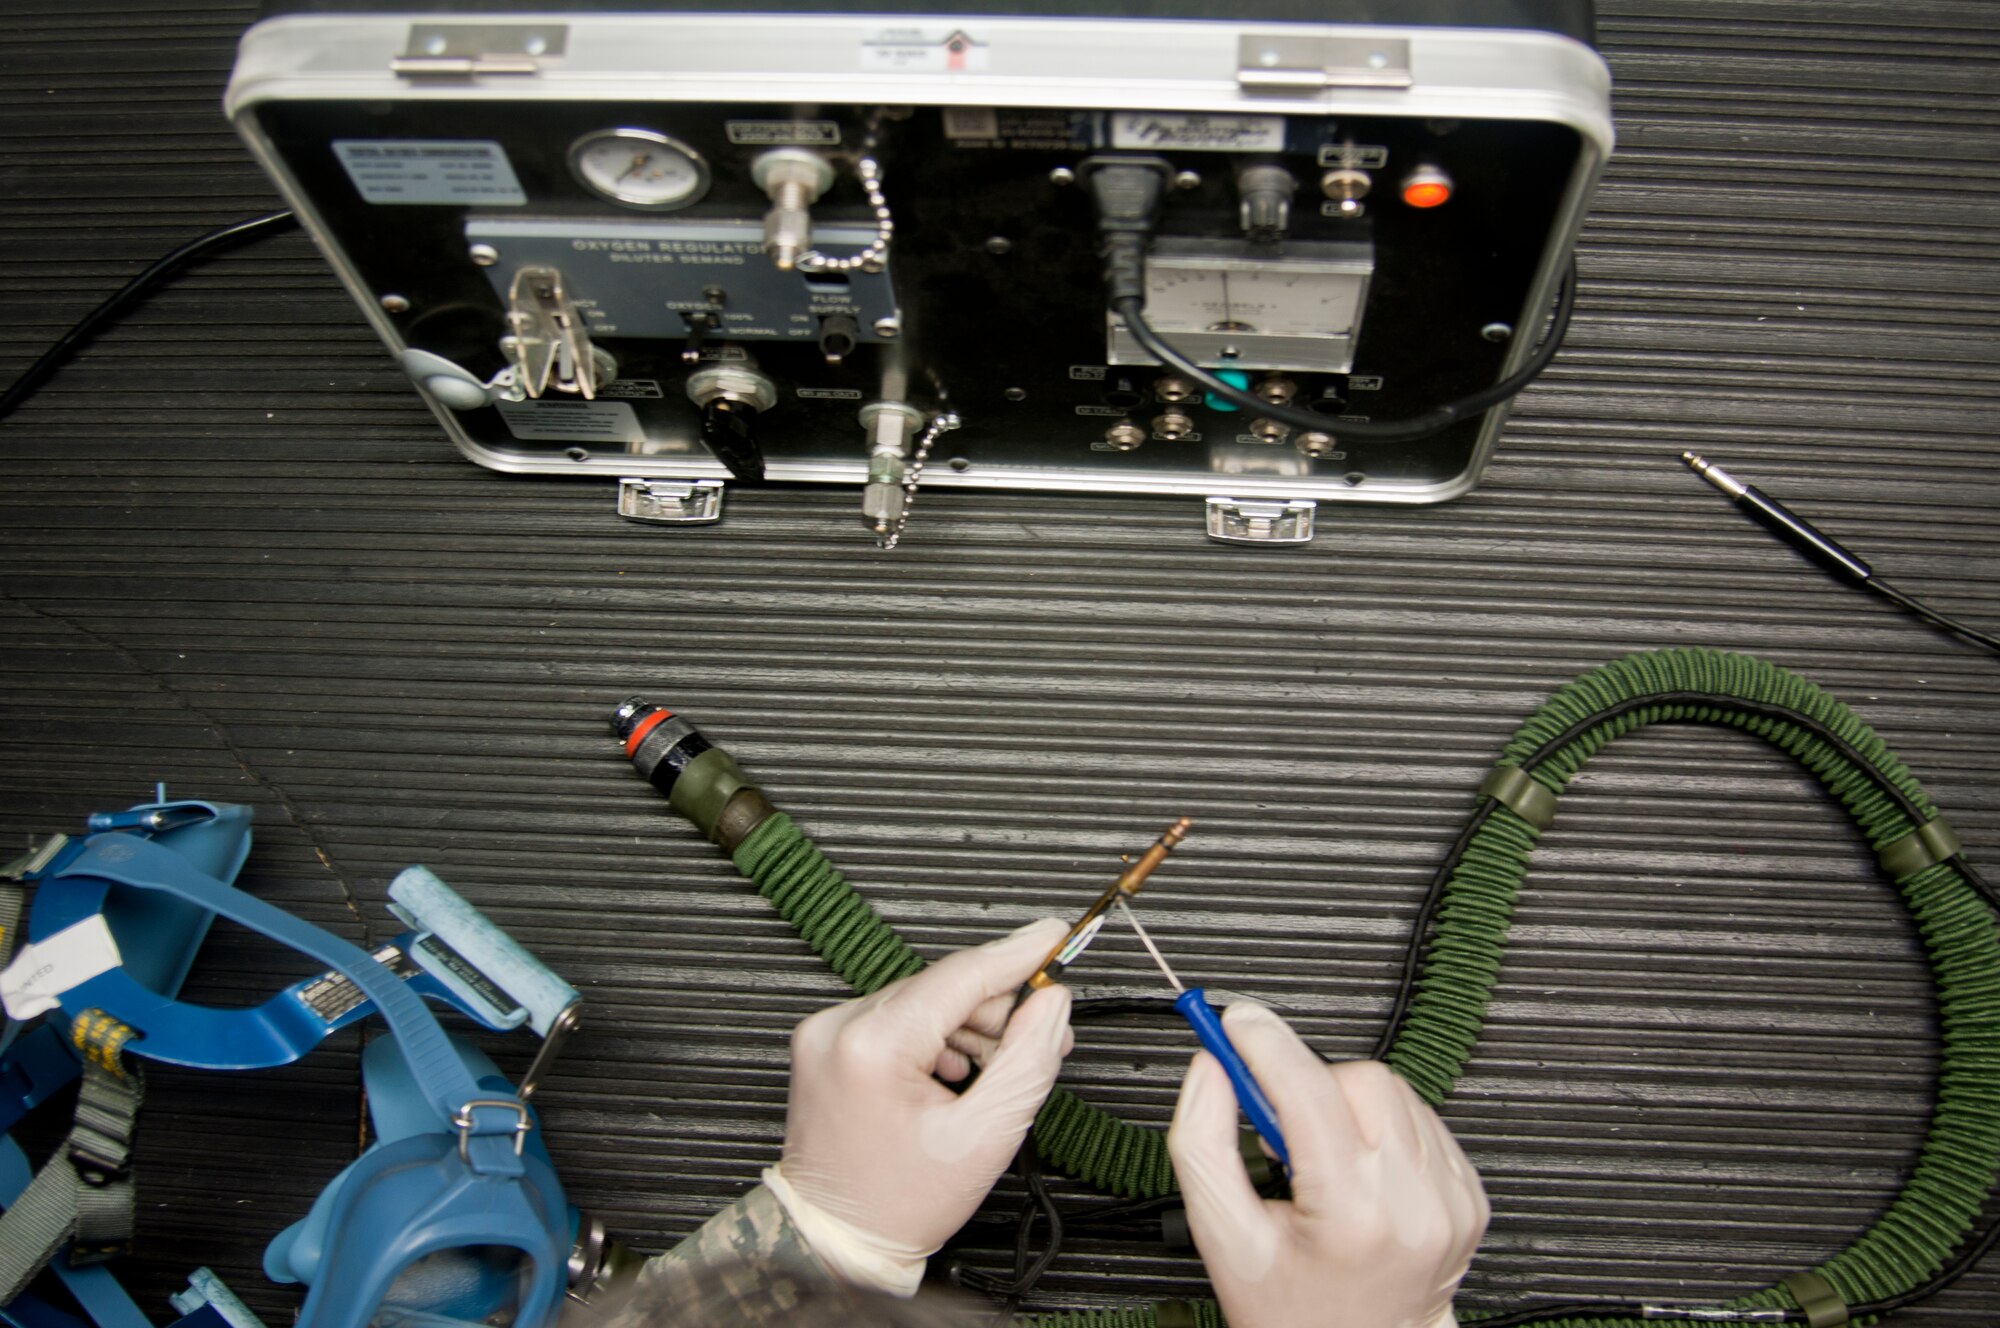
479, 48
1293, 64
670, 502
1284, 522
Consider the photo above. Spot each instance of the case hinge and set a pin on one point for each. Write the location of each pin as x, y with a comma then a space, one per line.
465, 49
1293, 64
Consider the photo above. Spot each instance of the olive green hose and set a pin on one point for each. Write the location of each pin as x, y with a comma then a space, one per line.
1955, 1167
1073, 1136
1462, 958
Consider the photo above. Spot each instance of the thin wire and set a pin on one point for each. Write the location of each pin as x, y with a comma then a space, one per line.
1931, 615
1147, 941
133, 291
1131, 311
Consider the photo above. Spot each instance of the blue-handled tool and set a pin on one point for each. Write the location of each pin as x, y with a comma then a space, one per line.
1192, 1003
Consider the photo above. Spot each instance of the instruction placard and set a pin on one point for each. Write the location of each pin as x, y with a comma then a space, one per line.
547, 421
405, 170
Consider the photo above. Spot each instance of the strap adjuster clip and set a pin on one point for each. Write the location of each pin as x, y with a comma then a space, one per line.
97, 1169
462, 1121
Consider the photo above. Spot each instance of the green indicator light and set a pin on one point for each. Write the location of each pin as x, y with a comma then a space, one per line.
1237, 379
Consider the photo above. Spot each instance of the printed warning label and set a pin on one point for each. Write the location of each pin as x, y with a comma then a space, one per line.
397, 170
923, 50
546, 421
631, 388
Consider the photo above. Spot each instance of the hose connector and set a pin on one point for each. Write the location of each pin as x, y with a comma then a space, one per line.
702, 781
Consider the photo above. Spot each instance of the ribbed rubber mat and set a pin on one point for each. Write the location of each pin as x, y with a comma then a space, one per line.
239, 558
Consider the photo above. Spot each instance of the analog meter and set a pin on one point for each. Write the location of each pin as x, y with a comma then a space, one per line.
1225, 307
640, 168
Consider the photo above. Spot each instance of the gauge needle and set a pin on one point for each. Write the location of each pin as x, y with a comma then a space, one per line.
638, 164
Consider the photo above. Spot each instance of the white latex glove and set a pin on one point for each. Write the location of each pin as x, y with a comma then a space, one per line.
1385, 1211
882, 1162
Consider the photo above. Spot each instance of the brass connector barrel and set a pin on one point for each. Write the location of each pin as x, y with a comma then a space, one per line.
1079, 936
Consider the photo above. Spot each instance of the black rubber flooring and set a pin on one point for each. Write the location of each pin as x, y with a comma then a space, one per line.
235, 556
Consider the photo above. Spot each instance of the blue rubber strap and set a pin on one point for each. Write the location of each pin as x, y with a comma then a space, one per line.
1207, 1025
27, 1310
31, 1071
143, 865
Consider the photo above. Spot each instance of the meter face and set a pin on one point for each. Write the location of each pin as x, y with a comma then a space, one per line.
1269, 299
1229, 305
640, 168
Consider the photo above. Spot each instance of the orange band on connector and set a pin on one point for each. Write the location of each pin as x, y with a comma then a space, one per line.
646, 725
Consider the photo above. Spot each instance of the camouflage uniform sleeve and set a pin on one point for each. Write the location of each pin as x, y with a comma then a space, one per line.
746, 1265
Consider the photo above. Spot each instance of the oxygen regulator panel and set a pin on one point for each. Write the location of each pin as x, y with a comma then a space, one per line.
680, 248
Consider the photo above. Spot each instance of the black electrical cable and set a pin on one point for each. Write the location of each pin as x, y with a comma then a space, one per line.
1131, 311
132, 293
1426, 916
1959, 1267
1612, 1309
1085, 1009
1930, 615
1817, 547
1028, 1268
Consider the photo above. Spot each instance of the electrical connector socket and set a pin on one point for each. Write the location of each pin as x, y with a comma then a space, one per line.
1125, 192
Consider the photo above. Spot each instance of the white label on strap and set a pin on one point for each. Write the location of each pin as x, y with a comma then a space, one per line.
42, 972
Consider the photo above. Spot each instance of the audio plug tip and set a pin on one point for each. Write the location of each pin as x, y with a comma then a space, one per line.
1714, 474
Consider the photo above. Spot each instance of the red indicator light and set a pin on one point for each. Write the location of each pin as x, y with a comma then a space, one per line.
1426, 187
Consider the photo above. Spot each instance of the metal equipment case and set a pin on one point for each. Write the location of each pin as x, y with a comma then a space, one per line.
799, 244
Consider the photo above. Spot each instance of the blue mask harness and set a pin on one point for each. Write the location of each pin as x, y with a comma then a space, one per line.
454, 1215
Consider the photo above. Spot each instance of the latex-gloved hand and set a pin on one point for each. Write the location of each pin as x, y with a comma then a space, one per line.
1385, 1210
882, 1162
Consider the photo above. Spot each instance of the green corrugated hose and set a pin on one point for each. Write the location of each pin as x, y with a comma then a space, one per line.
1073, 1136
1956, 1165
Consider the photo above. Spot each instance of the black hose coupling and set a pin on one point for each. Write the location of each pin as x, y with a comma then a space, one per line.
702, 781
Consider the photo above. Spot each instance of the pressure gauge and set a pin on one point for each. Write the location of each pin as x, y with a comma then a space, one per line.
1230, 307
640, 168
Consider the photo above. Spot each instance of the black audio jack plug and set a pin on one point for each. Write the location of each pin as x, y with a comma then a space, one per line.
1775, 517
1818, 547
